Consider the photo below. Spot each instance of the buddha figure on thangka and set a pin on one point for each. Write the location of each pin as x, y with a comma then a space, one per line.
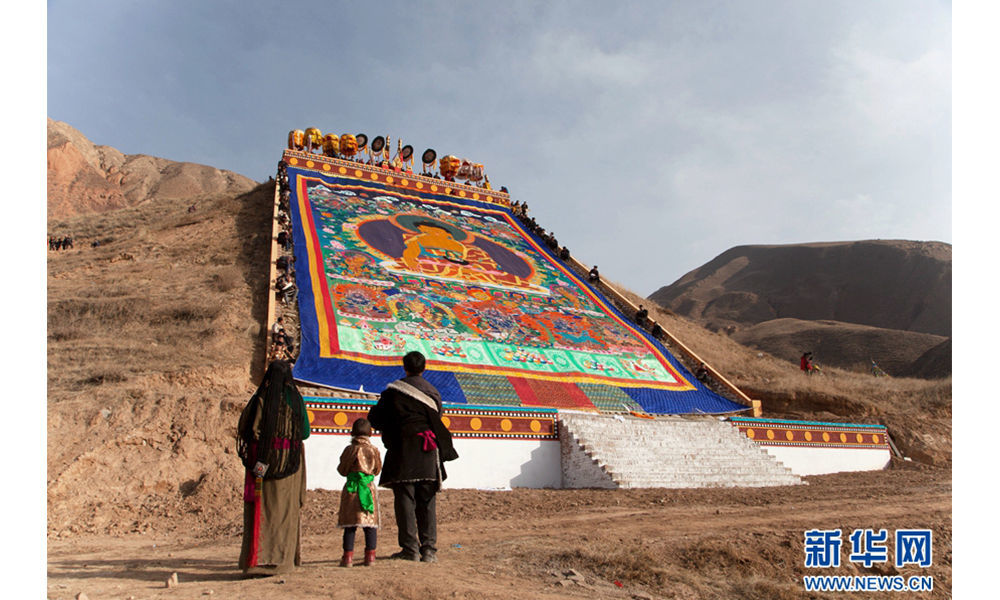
418, 244
463, 286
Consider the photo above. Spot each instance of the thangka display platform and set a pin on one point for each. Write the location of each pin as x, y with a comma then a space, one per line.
388, 262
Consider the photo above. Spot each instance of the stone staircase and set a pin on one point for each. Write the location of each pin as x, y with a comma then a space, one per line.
614, 451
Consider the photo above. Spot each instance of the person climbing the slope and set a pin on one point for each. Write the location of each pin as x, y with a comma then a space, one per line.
805, 363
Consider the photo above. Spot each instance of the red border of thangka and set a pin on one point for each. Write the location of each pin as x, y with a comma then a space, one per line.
336, 418
326, 319
813, 435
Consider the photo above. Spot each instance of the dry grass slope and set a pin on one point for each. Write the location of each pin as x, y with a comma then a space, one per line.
150, 340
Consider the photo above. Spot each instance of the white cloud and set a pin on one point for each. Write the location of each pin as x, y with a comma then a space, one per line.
568, 58
895, 96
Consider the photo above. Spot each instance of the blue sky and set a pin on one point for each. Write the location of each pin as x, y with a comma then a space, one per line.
670, 131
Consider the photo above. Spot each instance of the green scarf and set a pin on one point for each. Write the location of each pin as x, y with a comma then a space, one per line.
357, 483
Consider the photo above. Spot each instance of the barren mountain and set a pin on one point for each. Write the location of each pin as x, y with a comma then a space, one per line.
884, 299
84, 177
893, 350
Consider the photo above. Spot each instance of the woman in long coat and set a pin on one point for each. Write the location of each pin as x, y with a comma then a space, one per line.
269, 442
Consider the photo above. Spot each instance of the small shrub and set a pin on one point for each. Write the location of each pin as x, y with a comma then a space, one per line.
62, 333
226, 280
189, 314
106, 376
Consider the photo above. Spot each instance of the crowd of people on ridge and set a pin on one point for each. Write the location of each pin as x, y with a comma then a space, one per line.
63, 243
642, 320
520, 210
282, 345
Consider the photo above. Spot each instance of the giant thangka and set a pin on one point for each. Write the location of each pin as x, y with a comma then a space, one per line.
388, 264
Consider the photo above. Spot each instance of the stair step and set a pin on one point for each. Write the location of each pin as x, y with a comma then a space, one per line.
674, 452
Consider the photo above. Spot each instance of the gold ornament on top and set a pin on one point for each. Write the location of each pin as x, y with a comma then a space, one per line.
314, 140
348, 145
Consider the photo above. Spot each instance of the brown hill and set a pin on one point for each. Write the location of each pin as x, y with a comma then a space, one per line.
933, 364
893, 350
151, 340
892, 284
889, 286
84, 177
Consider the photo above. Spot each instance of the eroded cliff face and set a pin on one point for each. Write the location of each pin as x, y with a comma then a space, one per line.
84, 177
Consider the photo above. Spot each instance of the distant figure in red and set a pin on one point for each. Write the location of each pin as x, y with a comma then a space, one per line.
805, 363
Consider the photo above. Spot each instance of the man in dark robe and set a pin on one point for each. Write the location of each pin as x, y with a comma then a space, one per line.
417, 445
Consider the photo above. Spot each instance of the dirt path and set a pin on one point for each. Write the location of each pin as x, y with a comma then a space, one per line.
712, 543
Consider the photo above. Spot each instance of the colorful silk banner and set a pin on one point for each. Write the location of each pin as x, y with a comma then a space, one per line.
384, 269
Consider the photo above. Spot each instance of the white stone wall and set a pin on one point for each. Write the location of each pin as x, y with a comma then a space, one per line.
821, 461
502, 464
322, 458
482, 463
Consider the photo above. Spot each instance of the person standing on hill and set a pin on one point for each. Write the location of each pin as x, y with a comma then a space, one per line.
805, 363
269, 442
408, 414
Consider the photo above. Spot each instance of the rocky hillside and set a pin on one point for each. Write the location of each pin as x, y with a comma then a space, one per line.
84, 177
884, 299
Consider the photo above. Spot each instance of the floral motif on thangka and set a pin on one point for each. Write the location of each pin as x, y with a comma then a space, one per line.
599, 366
521, 355
449, 351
